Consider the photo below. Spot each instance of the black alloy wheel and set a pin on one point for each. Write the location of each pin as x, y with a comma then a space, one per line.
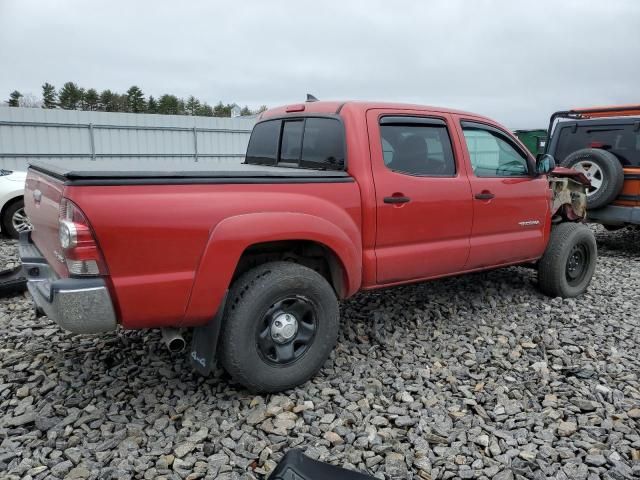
287, 330
577, 264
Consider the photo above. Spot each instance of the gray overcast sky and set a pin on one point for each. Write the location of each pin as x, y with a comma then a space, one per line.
515, 61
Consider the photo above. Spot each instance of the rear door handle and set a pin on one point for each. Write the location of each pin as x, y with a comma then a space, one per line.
484, 196
396, 199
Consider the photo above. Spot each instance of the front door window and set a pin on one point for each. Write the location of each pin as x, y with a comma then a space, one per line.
493, 156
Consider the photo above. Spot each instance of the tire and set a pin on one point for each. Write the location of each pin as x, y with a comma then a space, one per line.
254, 350
560, 273
9, 227
603, 169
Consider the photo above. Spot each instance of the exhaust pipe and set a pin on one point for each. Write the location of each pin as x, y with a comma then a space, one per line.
173, 339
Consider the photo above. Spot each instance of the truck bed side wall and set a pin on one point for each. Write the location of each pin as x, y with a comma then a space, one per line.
161, 241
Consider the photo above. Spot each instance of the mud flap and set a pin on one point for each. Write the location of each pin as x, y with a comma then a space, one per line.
295, 466
205, 342
12, 281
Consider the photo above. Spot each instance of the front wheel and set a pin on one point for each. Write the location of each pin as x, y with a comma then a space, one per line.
281, 323
568, 263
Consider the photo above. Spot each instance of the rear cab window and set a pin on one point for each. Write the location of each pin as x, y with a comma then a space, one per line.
298, 142
263, 145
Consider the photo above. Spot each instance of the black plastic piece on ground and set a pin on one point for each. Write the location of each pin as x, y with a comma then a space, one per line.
295, 466
12, 281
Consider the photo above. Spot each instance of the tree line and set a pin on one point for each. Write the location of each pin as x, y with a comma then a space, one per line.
73, 97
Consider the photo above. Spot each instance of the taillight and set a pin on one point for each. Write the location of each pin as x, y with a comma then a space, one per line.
81, 251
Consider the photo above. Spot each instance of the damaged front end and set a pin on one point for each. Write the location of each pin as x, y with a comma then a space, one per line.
569, 195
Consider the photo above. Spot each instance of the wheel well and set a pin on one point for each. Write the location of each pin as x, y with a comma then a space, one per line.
311, 254
8, 204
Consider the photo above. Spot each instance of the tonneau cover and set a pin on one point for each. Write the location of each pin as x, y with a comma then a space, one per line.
83, 169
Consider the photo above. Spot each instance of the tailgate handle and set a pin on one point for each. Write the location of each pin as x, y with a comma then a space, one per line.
398, 199
484, 195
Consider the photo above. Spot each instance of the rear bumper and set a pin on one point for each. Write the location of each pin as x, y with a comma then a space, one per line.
615, 215
80, 305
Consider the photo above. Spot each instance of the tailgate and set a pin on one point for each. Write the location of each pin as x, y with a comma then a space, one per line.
42, 197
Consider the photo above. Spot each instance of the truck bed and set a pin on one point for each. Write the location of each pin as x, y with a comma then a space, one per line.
95, 172
166, 233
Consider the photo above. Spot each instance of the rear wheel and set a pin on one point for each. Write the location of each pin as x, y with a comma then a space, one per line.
280, 326
603, 169
566, 268
14, 219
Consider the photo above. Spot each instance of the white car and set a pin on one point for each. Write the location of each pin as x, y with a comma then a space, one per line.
13, 220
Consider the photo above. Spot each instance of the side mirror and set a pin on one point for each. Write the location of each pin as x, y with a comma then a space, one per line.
545, 164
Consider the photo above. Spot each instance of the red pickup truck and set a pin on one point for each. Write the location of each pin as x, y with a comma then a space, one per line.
332, 198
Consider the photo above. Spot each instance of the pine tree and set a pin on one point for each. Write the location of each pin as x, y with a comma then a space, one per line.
245, 111
107, 101
91, 99
48, 96
193, 105
82, 104
205, 110
221, 110
122, 102
135, 100
182, 109
168, 105
152, 105
70, 96
14, 98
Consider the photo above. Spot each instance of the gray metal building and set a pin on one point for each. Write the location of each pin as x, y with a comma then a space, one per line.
34, 133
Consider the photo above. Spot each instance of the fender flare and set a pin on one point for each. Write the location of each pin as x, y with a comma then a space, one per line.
233, 235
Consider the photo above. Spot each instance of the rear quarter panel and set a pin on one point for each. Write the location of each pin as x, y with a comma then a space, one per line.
155, 238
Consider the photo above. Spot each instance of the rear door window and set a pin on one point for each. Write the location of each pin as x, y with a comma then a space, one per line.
417, 146
620, 139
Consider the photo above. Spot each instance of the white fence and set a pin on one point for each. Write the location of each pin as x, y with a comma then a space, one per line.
27, 134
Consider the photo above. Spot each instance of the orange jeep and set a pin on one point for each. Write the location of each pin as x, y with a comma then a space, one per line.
604, 144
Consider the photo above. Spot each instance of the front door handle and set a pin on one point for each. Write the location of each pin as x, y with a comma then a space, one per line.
484, 195
398, 199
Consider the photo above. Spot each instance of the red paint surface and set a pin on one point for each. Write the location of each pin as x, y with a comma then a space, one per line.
171, 250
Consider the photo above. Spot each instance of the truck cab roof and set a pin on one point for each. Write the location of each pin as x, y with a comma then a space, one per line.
336, 107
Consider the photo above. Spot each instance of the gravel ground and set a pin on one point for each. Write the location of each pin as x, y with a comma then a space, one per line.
472, 377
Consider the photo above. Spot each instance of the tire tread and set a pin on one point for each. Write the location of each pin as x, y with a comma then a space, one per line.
264, 276
551, 268
11, 208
